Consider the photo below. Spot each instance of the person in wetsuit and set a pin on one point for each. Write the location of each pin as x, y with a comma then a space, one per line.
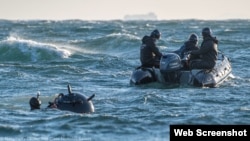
207, 53
149, 52
189, 45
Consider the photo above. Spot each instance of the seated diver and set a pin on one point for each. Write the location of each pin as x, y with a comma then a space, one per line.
189, 45
149, 53
207, 53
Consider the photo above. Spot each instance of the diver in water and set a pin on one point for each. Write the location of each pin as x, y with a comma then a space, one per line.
73, 102
149, 53
35, 102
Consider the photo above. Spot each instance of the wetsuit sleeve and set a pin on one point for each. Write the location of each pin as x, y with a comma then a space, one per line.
182, 48
181, 51
204, 49
155, 50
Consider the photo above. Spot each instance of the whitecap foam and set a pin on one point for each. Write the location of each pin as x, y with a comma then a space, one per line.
26, 45
126, 35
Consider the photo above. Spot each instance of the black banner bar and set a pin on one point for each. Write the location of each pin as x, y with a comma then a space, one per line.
200, 132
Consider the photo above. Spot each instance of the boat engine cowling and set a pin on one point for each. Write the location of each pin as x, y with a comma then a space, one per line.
170, 64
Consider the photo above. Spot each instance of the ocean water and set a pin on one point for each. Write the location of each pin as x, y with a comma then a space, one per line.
98, 57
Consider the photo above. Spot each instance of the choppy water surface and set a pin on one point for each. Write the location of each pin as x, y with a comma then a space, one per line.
97, 57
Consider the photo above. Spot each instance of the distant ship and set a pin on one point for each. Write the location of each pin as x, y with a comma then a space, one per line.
149, 16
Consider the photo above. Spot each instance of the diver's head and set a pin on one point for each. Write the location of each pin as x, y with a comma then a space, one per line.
35, 103
193, 38
156, 34
206, 32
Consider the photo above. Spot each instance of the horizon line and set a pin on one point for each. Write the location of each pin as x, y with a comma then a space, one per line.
65, 19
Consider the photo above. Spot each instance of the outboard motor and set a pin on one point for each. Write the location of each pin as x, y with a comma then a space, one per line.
73, 102
170, 65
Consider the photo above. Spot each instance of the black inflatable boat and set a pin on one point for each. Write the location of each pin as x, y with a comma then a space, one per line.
171, 72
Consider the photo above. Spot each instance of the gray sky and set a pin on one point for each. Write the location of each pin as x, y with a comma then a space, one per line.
117, 9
